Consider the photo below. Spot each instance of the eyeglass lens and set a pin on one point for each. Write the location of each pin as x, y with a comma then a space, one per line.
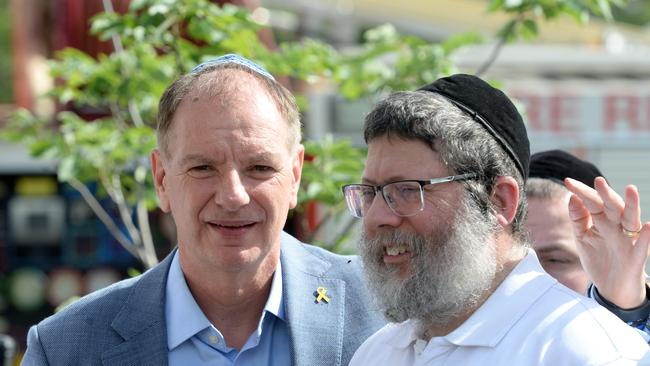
404, 198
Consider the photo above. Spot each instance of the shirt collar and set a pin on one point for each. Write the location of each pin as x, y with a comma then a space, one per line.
499, 313
184, 317
275, 302
405, 334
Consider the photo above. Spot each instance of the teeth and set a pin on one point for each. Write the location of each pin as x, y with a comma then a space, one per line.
396, 249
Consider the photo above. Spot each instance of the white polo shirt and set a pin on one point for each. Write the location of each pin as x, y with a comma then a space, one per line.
531, 319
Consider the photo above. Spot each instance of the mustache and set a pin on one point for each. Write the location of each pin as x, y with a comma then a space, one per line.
414, 243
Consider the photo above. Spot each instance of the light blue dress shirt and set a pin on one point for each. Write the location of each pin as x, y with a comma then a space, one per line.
193, 340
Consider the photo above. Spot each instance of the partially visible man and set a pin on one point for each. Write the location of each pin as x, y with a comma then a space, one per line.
238, 291
443, 206
614, 263
548, 222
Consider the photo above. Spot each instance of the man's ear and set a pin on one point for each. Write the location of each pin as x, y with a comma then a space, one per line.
159, 174
296, 172
505, 197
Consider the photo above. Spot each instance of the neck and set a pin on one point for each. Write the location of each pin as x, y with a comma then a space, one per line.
509, 254
234, 301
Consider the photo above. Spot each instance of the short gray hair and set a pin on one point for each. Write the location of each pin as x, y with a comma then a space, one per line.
216, 80
543, 188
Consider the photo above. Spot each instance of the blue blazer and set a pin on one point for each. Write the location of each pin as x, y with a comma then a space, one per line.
124, 324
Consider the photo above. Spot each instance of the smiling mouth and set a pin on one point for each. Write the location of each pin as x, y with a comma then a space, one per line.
232, 226
395, 250
236, 226
397, 254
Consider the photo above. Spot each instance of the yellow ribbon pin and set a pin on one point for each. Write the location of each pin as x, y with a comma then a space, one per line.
322, 295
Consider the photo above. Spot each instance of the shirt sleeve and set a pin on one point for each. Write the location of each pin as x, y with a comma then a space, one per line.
638, 318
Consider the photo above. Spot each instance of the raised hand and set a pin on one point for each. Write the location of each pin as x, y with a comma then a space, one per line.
612, 242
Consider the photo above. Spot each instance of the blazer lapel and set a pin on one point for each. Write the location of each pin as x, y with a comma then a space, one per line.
141, 322
315, 327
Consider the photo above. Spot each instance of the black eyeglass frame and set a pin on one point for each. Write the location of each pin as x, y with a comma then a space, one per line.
422, 183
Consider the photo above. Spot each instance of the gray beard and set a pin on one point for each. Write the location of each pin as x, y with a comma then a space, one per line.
451, 272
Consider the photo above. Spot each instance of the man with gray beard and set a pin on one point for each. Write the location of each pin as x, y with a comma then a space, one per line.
444, 247
461, 272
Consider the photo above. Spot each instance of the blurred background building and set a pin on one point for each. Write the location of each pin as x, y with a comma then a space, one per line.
585, 89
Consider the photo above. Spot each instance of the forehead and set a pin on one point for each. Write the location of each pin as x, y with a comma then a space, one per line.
232, 92
226, 85
394, 158
548, 218
239, 114
557, 207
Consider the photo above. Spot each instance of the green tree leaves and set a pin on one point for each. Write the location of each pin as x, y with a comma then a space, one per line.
158, 40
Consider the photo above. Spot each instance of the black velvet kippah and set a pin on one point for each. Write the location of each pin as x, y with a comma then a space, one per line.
492, 109
558, 164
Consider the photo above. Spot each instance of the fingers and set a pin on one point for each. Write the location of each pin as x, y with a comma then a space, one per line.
613, 204
589, 197
579, 215
631, 218
643, 242
609, 212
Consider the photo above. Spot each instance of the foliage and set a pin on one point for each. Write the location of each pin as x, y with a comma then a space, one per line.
637, 12
337, 160
526, 13
329, 164
390, 61
158, 40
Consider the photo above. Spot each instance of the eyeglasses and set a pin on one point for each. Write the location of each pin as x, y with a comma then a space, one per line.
405, 197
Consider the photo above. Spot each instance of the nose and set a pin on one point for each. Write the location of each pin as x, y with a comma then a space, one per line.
379, 216
232, 193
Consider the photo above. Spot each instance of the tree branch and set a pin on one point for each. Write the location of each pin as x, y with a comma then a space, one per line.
117, 41
123, 207
177, 55
118, 198
134, 110
498, 46
150, 259
103, 216
148, 249
493, 57
119, 121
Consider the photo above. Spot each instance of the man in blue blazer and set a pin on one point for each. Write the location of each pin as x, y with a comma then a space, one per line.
238, 290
